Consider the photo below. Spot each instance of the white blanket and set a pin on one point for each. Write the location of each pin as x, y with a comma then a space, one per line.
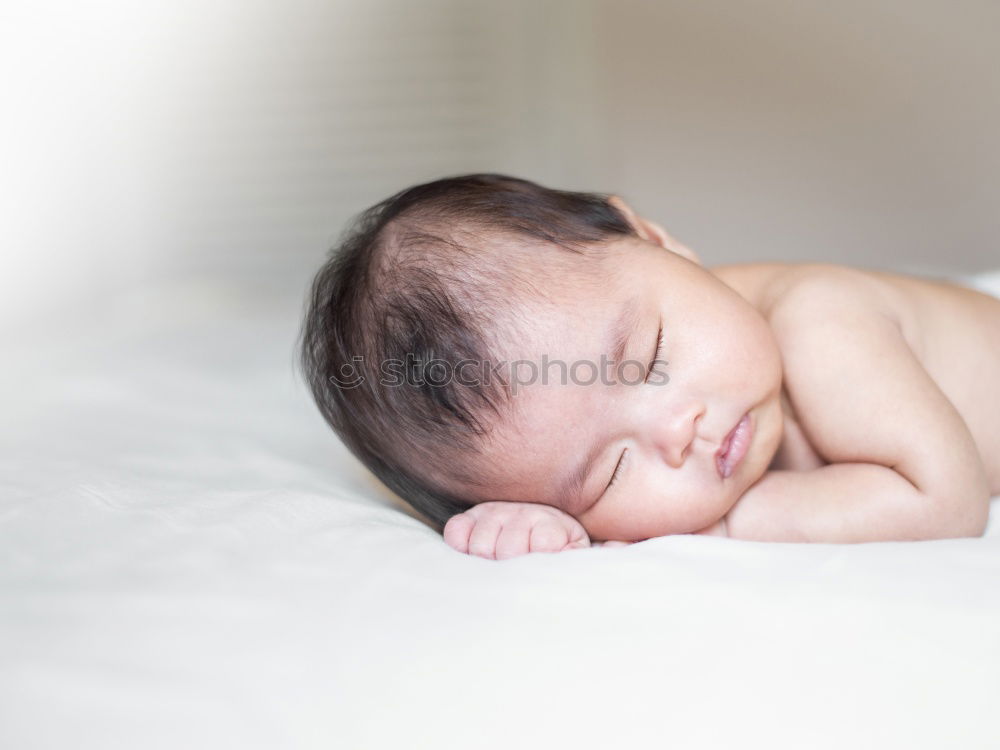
188, 559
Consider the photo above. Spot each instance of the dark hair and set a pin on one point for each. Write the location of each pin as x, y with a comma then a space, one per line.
401, 283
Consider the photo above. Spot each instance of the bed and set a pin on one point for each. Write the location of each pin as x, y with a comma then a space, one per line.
190, 559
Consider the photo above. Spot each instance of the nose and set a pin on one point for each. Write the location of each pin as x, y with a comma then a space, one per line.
673, 432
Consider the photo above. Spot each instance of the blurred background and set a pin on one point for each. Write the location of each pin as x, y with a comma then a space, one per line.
188, 555
144, 141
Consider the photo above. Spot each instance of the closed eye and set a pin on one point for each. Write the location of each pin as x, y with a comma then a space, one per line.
617, 472
656, 352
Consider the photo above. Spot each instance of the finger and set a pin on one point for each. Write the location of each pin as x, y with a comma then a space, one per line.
457, 531
483, 540
513, 541
578, 537
548, 536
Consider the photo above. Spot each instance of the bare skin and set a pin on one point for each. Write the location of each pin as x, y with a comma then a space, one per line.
872, 399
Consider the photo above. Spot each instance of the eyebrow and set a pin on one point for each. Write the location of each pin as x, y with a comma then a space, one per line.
618, 336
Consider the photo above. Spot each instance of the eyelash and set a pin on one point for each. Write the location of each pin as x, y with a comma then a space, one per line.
618, 470
659, 350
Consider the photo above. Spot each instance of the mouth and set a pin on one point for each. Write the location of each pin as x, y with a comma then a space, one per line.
734, 447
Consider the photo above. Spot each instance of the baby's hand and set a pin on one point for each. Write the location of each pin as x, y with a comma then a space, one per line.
498, 530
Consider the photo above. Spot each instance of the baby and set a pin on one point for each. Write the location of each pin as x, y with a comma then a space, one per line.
534, 369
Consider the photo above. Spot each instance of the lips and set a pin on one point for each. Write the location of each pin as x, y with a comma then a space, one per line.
734, 447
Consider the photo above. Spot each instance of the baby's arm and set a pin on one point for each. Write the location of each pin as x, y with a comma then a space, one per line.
499, 530
902, 462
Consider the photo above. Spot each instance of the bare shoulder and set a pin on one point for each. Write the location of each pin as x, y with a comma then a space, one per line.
804, 297
779, 286
861, 391
832, 287
934, 315
830, 318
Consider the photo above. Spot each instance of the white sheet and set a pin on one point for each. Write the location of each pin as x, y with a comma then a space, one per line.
189, 559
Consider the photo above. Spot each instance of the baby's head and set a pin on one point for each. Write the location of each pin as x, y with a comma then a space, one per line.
485, 338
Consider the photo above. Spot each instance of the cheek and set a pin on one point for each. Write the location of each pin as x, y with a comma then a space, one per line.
656, 511
758, 331
765, 343
752, 356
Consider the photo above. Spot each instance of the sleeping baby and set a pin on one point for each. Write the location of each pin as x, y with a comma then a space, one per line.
541, 370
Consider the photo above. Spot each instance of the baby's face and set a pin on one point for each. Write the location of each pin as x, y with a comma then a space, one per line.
657, 431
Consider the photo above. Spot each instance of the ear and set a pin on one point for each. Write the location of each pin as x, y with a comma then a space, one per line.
652, 232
